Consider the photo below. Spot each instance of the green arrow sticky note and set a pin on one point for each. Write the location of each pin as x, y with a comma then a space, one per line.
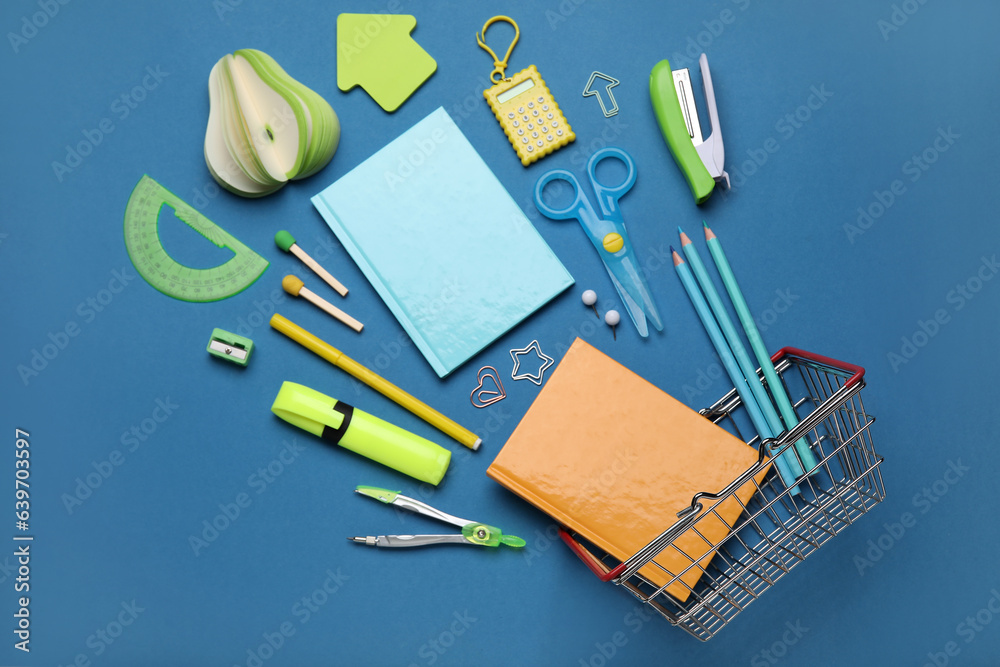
376, 52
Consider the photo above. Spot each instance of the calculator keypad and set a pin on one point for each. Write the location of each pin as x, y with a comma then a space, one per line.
534, 125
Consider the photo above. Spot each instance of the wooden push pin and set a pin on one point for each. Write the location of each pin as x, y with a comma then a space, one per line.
286, 242
295, 287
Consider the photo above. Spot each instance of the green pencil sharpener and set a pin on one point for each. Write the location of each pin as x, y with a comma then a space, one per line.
230, 347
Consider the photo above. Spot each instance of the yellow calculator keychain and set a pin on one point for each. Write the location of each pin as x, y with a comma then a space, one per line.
522, 103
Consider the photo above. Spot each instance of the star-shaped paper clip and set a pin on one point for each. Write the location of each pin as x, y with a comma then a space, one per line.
547, 361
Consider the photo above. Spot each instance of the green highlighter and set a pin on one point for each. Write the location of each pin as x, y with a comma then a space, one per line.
362, 433
701, 160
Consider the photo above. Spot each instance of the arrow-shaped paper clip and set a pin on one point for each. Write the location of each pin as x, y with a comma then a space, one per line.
611, 83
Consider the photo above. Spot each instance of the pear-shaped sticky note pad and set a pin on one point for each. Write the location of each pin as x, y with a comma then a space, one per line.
264, 127
376, 52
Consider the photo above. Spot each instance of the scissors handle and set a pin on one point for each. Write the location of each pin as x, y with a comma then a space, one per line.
572, 211
608, 196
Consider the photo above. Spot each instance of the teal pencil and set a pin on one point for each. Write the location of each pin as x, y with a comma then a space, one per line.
747, 369
726, 355
756, 342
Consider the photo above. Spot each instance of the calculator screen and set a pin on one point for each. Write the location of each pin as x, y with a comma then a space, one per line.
507, 95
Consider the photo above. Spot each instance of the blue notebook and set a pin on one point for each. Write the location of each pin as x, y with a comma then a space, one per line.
442, 242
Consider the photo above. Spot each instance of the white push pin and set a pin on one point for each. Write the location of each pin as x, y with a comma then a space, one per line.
612, 318
589, 299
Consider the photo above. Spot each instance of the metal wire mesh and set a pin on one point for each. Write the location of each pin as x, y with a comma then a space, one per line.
777, 529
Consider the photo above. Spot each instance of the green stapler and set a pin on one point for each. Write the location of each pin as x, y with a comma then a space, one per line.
701, 160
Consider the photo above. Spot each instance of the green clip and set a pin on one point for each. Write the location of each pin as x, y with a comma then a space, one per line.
230, 347
490, 536
382, 495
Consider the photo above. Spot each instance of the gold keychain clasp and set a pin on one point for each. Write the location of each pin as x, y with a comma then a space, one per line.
498, 65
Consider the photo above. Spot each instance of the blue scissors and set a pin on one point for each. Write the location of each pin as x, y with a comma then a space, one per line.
607, 232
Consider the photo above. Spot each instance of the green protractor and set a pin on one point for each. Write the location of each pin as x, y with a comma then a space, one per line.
167, 275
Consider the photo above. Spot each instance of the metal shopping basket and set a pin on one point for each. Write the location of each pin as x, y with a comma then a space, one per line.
776, 530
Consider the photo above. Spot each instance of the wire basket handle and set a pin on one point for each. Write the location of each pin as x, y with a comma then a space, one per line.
853, 383
690, 515
687, 517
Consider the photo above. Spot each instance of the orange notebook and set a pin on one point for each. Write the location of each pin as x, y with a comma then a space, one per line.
613, 458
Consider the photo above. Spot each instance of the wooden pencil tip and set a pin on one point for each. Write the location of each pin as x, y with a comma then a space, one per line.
684, 238
709, 234
677, 258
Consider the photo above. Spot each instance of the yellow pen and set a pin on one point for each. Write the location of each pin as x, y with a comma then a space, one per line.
377, 382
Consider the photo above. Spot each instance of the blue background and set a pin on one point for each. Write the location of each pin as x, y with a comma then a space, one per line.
852, 296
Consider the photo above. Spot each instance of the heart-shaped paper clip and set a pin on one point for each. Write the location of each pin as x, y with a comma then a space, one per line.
482, 397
